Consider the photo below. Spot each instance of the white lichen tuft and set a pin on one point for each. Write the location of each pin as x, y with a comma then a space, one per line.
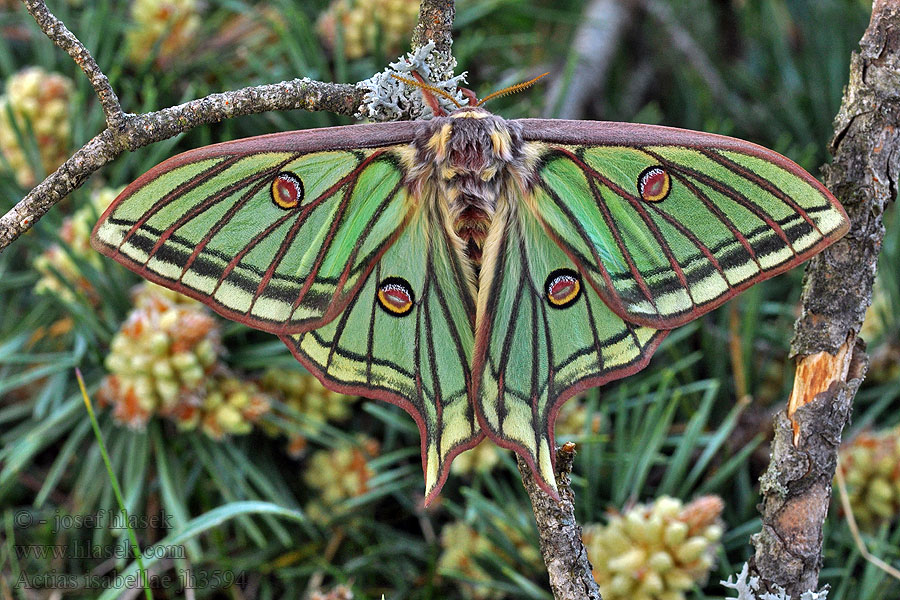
388, 99
747, 588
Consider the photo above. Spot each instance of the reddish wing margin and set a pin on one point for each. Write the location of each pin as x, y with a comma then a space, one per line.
205, 223
729, 214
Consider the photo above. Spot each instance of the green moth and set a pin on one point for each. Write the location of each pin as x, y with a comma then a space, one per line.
473, 270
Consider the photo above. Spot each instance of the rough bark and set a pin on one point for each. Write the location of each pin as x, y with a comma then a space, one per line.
140, 130
568, 567
837, 290
65, 39
435, 24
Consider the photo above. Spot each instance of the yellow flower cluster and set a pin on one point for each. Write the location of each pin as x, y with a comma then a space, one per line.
463, 545
871, 467
160, 358
366, 24
304, 394
40, 101
230, 406
572, 421
164, 361
480, 459
167, 27
339, 474
60, 273
655, 551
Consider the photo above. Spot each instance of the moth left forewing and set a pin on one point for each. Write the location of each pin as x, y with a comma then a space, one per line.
667, 224
276, 232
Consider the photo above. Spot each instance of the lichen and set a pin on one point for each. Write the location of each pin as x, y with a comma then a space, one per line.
388, 99
747, 588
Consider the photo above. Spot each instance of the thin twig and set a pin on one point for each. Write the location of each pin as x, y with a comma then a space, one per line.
570, 571
65, 39
141, 130
796, 487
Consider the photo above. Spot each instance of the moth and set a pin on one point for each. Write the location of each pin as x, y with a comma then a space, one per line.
473, 270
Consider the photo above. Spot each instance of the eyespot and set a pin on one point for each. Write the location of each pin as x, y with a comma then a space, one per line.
287, 190
395, 296
654, 184
563, 287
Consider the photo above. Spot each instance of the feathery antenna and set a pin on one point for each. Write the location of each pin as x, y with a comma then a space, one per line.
508, 90
511, 89
430, 88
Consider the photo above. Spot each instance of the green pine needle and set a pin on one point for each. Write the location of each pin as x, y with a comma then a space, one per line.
115, 484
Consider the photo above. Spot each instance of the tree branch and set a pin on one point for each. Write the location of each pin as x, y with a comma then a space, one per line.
570, 571
435, 24
65, 39
129, 132
796, 487
140, 130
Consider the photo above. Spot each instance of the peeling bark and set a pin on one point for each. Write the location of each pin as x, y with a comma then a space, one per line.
832, 361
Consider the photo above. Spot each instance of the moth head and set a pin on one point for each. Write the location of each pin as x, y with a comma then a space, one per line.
470, 112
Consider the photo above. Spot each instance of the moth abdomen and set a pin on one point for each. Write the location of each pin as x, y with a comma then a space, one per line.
471, 225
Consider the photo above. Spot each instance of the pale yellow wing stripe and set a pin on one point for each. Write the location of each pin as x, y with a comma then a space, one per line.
420, 360
532, 355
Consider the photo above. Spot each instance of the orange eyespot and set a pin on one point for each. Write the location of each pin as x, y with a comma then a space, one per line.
654, 184
395, 296
563, 286
287, 190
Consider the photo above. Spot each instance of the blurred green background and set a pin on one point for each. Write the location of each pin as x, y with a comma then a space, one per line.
229, 426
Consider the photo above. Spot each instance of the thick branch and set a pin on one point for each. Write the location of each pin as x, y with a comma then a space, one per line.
140, 130
305, 94
65, 39
570, 571
436, 24
837, 290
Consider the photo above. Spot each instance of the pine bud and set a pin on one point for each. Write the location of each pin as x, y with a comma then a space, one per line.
365, 23
167, 26
339, 474
303, 393
60, 269
145, 370
656, 551
871, 467
38, 100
